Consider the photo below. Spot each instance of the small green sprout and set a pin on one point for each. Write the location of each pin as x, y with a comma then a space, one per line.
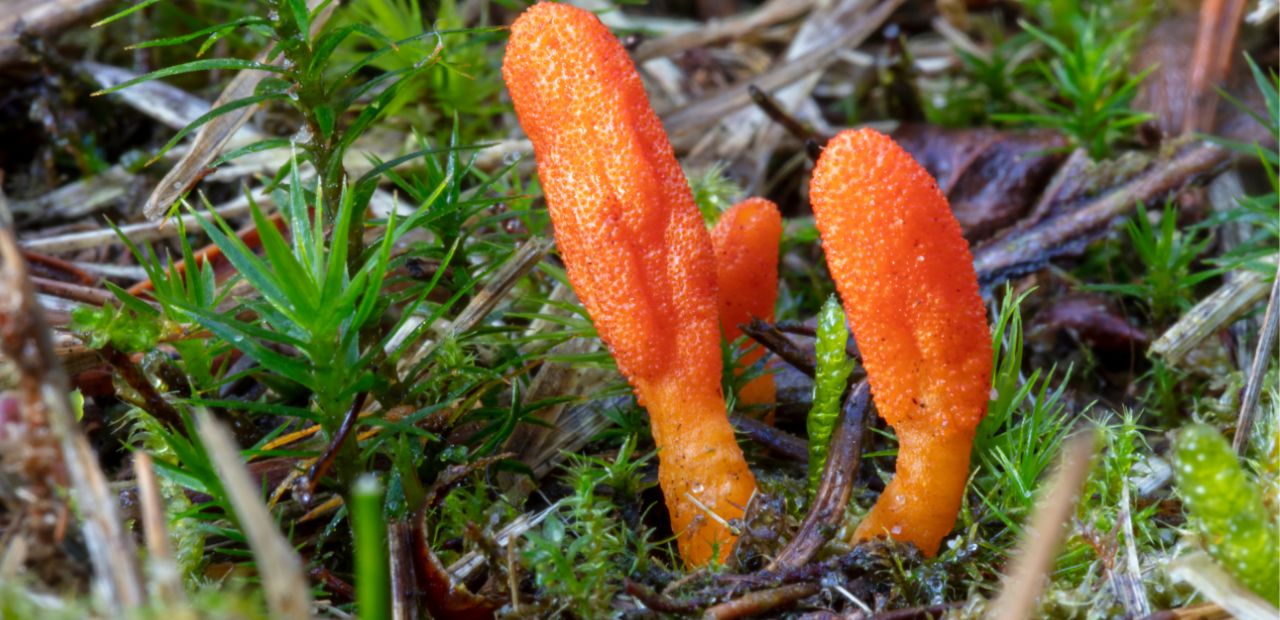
1094, 87
1168, 257
829, 381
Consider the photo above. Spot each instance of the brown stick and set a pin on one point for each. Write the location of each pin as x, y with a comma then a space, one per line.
166, 579
692, 118
443, 597
132, 375
41, 18
657, 601
774, 340
1207, 611
1022, 252
836, 485
1215, 48
717, 30
61, 265
403, 581
793, 126
780, 442
284, 584
916, 613
326, 460
762, 601
1252, 389
75, 292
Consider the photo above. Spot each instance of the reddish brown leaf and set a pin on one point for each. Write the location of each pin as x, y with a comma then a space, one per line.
990, 177
1094, 322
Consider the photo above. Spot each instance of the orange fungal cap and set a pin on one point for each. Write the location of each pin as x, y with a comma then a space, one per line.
746, 245
906, 277
637, 253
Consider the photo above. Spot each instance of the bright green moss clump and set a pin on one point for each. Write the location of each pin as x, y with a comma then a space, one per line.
1227, 509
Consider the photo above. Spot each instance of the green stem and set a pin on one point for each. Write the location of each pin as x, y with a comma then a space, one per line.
372, 572
829, 382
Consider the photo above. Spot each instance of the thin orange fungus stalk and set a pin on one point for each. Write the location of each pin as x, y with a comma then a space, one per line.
906, 277
637, 253
746, 243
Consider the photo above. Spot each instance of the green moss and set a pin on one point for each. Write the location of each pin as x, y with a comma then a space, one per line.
1227, 509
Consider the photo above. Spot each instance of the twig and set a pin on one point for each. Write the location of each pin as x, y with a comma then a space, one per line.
835, 486
1215, 44
656, 600
774, 340
40, 18
163, 102
1126, 576
496, 287
1071, 168
1229, 302
1025, 579
283, 581
465, 566
777, 441
1217, 585
861, 559
1207, 611
513, 577
554, 430
716, 30
710, 110
132, 375
762, 601
61, 265
75, 292
403, 582
1261, 356
332, 583
336, 443
166, 579
79, 198
25, 338
214, 135
917, 613
1024, 251
793, 126
138, 233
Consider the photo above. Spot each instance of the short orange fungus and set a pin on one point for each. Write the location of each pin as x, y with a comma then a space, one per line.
746, 242
637, 253
906, 277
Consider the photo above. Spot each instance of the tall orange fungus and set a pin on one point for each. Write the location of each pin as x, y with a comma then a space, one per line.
906, 277
746, 243
637, 253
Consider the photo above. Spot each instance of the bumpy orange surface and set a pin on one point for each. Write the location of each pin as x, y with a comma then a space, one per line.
746, 243
637, 253
906, 277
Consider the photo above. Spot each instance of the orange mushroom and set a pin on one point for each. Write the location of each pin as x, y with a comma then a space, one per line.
746, 244
906, 277
637, 253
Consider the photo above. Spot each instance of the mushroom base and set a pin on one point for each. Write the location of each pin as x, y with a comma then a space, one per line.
703, 475
922, 501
